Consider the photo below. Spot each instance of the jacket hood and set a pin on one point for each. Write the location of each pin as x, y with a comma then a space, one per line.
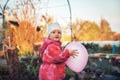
46, 42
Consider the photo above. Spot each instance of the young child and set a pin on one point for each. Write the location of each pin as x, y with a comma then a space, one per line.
53, 57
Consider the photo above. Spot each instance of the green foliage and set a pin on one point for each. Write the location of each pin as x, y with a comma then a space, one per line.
107, 47
95, 48
69, 72
0, 78
104, 64
3, 68
30, 68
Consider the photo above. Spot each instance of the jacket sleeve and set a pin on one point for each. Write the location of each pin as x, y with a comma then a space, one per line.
57, 55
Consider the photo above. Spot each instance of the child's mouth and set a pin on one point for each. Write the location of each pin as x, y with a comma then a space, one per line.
56, 37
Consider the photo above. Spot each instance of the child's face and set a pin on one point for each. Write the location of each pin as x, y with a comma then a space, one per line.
55, 35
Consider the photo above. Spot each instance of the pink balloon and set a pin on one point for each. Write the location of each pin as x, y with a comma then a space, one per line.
78, 63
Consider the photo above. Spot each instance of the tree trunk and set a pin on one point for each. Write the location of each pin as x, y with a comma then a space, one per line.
13, 63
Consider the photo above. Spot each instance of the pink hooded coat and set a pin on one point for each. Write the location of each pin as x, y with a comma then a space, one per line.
53, 66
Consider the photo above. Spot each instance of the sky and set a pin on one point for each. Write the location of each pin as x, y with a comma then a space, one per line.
92, 10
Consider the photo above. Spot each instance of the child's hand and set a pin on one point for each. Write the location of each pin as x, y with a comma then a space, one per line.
73, 53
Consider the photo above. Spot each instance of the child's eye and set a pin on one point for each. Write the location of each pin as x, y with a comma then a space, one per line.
53, 32
59, 32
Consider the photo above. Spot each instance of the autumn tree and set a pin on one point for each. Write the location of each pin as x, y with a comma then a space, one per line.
86, 31
26, 34
91, 31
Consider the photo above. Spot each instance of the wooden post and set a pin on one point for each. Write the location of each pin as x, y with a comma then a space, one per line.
13, 63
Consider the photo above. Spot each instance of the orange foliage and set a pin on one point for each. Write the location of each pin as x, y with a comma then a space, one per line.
1, 53
0, 30
66, 38
25, 36
90, 31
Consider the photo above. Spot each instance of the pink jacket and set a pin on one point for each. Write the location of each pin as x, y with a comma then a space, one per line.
53, 66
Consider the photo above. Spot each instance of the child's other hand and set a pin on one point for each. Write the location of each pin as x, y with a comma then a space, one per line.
73, 53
